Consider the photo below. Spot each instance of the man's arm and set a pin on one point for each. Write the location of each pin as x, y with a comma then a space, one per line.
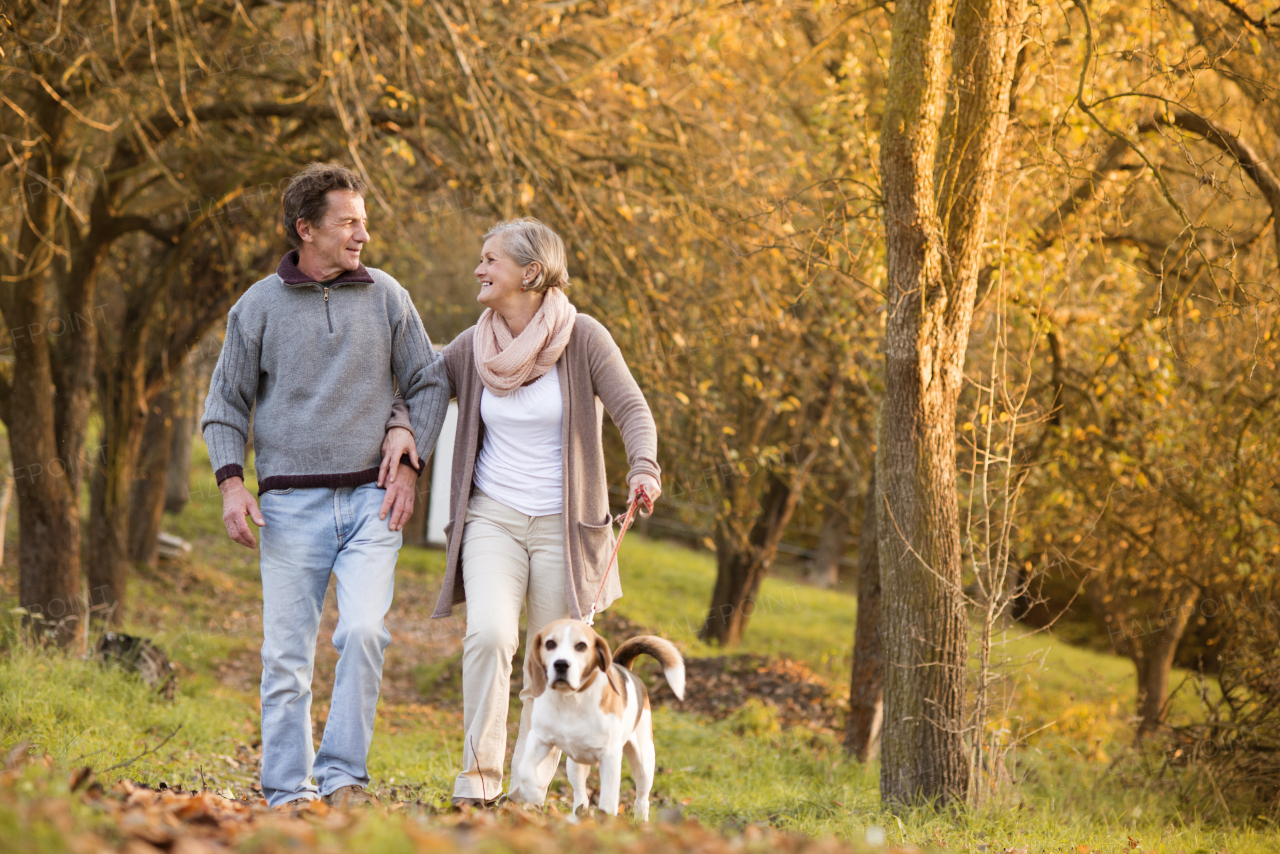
227, 410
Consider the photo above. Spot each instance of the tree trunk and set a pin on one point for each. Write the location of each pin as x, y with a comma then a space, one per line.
123, 403
866, 685
49, 585
825, 571
186, 404
741, 564
1151, 646
147, 496
930, 295
1153, 682
48, 512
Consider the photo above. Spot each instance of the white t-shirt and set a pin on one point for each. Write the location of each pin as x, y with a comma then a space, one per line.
520, 461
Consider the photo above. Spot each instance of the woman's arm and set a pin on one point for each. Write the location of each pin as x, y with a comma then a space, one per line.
400, 440
626, 405
398, 443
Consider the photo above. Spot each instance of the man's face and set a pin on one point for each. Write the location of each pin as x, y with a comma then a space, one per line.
335, 242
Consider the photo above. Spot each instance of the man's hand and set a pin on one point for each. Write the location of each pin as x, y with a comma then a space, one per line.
396, 444
400, 494
236, 504
652, 489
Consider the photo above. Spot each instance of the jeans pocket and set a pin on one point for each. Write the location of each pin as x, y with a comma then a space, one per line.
597, 546
279, 491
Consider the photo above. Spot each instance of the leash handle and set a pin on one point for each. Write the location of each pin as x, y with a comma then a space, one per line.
626, 523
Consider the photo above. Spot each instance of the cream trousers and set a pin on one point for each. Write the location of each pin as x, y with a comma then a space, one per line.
508, 558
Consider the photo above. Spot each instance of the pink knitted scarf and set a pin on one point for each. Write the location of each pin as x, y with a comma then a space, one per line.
507, 362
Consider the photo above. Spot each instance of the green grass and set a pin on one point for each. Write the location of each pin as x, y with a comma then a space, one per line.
668, 588
81, 713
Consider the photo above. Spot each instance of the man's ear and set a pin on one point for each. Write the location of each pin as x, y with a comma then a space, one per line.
604, 658
535, 672
303, 227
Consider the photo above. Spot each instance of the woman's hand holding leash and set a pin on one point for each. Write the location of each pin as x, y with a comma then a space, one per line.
644, 489
647, 489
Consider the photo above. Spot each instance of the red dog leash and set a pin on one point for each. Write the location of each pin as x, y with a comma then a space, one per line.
626, 523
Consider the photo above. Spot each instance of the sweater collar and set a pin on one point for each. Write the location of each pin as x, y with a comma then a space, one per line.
293, 277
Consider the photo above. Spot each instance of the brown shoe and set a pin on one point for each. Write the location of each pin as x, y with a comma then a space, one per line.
348, 797
296, 805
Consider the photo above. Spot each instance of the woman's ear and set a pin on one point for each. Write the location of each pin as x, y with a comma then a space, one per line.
535, 673
604, 658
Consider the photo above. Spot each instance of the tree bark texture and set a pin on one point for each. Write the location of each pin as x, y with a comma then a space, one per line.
937, 173
48, 512
147, 495
742, 564
866, 685
186, 404
46, 458
124, 416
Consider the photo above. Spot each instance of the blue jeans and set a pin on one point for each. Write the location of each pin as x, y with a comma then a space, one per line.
310, 534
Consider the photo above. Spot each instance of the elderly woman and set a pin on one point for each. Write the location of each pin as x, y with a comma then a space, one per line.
529, 521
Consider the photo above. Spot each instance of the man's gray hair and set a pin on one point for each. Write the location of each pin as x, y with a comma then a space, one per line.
527, 240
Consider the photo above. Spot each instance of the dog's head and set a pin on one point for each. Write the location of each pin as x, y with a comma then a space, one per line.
563, 656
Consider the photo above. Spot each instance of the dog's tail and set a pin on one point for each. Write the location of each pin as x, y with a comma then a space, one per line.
663, 650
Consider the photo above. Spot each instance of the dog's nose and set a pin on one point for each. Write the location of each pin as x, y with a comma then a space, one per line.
561, 666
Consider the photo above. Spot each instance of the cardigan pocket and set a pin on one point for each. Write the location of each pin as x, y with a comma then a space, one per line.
597, 546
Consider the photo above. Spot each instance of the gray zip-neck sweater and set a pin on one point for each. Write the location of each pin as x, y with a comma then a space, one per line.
320, 363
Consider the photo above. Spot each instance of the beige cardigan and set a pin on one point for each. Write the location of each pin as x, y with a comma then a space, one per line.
593, 378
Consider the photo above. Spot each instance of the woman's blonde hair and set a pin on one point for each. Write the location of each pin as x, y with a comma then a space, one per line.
527, 240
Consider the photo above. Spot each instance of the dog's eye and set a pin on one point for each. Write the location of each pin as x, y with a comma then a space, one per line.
551, 644
580, 646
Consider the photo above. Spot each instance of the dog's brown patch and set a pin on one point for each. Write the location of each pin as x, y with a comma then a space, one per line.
612, 700
535, 673
604, 658
586, 683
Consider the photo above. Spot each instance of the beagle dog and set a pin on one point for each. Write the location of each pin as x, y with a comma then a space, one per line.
596, 710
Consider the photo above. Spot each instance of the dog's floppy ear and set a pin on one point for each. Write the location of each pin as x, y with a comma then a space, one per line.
535, 672
604, 658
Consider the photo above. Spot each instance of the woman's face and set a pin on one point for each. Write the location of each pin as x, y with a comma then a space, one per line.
500, 277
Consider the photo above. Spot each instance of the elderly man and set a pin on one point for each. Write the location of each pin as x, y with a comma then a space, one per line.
318, 347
